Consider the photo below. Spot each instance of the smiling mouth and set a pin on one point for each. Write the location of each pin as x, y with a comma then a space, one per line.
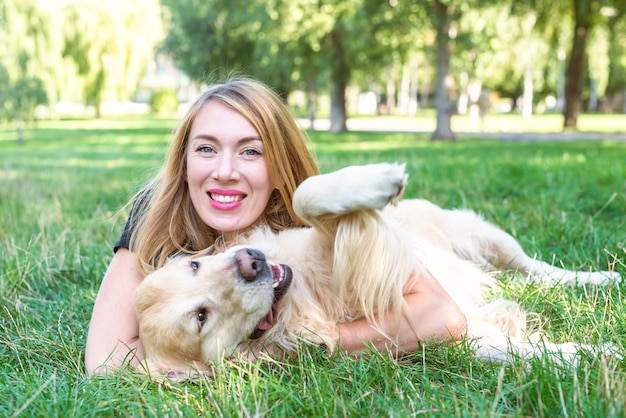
226, 198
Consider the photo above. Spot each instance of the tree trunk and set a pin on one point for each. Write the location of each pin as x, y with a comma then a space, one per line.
527, 103
615, 82
576, 64
19, 129
311, 98
594, 100
443, 130
391, 90
340, 74
560, 84
413, 102
404, 95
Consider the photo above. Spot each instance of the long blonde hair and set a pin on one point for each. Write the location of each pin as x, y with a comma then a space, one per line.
167, 223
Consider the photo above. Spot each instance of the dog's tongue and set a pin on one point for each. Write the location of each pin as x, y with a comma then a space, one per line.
282, 276
263, 325
267, 321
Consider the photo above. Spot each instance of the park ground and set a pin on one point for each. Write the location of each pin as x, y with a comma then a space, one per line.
506, 127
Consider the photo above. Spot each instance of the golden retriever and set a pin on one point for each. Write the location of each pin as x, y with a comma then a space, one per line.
275, 290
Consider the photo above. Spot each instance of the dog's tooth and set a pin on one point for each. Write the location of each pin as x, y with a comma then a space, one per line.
278, 281
278, 274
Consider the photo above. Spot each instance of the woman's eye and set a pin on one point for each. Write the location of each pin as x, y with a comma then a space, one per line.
194, 265
205, 149
251, 152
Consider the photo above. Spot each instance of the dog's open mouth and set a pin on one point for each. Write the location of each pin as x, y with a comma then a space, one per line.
282, 277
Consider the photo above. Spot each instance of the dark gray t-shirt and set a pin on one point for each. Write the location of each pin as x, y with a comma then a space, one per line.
138, 206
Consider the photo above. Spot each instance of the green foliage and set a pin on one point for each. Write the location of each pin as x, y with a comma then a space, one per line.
5, 93
212, 39
21, 91
164, 100
565, 201
82, 51
110, 44
95, 52
19, 99
29, 92
616, 24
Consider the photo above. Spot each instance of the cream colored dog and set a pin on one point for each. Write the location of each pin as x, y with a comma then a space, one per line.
266, 295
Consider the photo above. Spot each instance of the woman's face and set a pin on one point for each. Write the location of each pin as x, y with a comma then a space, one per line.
227, 173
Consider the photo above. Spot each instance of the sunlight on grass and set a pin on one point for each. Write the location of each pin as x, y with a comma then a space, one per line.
549, 122
366, 141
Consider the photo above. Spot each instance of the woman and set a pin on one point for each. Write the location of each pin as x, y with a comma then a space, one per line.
234, 163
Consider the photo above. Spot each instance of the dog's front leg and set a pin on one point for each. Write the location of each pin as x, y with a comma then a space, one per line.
350, 189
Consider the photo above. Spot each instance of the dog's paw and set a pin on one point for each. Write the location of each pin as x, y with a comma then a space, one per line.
604, 350
381, 184
598, 278
556, 276
352, 188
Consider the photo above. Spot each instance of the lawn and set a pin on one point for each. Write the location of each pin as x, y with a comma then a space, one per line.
60, 195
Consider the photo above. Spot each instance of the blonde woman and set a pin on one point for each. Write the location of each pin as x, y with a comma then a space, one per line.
234, 163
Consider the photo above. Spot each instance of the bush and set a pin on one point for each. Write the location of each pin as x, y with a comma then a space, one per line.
164, 100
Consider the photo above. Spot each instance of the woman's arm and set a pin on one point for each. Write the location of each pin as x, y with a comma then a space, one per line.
430, 314
113, 336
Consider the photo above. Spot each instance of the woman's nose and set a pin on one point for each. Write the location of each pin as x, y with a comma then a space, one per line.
226, 169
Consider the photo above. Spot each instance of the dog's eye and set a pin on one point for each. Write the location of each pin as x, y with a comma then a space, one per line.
201, 316
194, 265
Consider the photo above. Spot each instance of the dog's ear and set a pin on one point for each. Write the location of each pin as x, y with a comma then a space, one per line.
180, 376
160, 372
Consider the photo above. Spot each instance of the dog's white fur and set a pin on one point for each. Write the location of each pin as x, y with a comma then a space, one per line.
354, 262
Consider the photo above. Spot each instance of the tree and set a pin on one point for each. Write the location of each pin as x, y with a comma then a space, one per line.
616, 26
30, 42
585, 15
19, 99
308, 37
441, 21
443, 17
28, 93
363, 40
278, 42
105, 36
24, 36
215, 38
79, 49
340, 75
585, 12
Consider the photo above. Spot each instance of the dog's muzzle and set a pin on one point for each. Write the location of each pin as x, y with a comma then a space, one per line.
282, 278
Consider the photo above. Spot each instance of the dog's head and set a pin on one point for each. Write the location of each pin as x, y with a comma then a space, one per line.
198, 310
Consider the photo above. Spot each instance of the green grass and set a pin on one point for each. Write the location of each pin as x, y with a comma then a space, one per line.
61, 190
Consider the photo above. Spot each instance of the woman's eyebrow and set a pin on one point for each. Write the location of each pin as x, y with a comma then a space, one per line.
209, 137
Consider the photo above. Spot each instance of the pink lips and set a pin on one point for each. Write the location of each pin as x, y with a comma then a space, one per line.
226, 199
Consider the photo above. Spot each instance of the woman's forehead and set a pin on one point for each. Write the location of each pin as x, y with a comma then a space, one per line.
220, 120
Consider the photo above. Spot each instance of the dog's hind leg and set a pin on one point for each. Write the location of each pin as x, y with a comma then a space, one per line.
372, 258
508, 253
350, 189
483, 241
489, 343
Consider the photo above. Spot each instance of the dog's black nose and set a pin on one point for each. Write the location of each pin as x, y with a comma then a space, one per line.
251, 262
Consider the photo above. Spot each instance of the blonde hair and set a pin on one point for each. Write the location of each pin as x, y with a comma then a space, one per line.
166, 222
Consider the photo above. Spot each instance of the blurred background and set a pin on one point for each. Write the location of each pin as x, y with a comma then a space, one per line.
330, 59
